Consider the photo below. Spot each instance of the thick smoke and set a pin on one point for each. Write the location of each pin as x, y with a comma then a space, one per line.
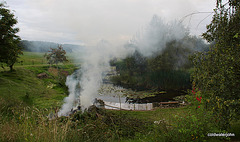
96, 60
93, 69
73, 87
155, 36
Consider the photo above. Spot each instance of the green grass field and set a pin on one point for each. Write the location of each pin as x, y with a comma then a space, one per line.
31, 58
23, 86
37, 59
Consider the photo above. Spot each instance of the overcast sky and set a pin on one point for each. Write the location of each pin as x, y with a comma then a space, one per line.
88, 21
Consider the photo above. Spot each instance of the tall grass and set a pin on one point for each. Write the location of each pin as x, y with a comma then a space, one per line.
25, 123
32, 124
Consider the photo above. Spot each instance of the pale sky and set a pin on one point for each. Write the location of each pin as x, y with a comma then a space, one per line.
88, 21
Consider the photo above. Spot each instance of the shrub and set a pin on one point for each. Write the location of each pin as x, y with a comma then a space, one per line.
196, 123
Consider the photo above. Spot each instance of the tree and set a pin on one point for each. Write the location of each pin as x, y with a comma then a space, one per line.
173, 57
217, 72
9, 48
56, 55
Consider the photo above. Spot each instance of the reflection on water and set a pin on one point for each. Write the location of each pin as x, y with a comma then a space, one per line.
110, 93
114, 98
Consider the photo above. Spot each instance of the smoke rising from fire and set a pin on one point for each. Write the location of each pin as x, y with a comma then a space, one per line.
89, 77
96, 60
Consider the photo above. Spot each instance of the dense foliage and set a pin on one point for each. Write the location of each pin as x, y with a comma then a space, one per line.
9, 49
217, 72
166, 69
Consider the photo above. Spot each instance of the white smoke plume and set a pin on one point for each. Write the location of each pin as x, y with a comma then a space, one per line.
93, 69
70, 101
155, 36
96, 61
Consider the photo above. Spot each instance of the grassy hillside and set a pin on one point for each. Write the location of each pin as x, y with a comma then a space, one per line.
23, 86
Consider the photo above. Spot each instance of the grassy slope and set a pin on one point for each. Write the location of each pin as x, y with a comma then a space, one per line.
22, 86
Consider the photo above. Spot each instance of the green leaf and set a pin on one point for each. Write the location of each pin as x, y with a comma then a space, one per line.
236, 35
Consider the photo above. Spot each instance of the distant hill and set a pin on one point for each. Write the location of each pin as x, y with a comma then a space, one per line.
43, 46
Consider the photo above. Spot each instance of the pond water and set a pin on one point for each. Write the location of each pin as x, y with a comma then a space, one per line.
114, 97
110, 93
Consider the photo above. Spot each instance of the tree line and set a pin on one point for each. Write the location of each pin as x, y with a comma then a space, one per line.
43, 46
166, 69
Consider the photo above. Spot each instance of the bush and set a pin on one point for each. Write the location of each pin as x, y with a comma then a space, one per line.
197, 122
216, 72
194, 126
99, 122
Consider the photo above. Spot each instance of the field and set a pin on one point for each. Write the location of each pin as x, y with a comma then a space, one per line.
32, 58
23, 86
37, 59
26, 102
